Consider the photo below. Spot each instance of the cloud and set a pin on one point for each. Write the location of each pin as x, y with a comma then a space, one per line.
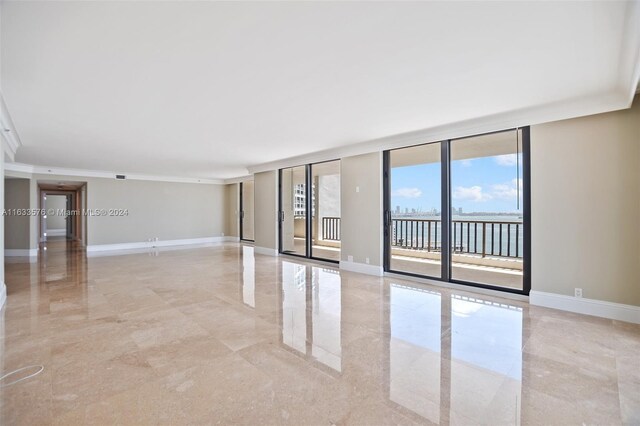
407, 193
472, 193
507, 160
507, 191
466, 163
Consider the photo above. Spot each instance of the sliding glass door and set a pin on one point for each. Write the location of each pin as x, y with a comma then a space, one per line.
458, 210
415, 215
246, 210
310, 211
293, 210
487, 210
325, 206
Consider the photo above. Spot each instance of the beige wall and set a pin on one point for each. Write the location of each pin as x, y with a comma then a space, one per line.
166, 210
266, 207
231, 207
57, 203
3, 288
586, 206
361, 212
16, 196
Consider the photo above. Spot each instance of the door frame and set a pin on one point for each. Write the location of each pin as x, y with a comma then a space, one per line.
241, 214
445, 162
308, 182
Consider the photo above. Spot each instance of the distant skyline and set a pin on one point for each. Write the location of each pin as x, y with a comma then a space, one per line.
487, 184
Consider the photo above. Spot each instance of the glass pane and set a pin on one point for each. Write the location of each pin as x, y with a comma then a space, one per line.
325, 180
247, 210
294, 231
416, 228
487, 229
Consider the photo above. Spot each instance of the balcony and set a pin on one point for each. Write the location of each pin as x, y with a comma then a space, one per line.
486, 251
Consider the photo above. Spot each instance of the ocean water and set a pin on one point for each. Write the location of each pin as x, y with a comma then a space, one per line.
414, 232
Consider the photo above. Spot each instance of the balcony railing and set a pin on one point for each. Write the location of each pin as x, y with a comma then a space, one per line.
331, 228
481, 237
478, 237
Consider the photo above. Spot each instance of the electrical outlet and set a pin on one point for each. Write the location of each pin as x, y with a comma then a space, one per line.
222, 234
350, 258
578, 292
367, 260
357, 189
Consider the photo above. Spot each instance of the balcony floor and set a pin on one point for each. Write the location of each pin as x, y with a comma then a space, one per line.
501, 277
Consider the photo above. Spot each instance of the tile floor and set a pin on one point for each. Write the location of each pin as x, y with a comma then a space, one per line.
218, 335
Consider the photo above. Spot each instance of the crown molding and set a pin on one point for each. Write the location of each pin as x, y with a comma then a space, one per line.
600, 103
629, 66
10, 139
58, 171
238, 179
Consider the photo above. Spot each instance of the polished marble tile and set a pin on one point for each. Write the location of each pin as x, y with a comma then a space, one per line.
220, 335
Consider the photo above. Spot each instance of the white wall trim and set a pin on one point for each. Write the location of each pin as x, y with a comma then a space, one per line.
598, 308
3, 294
362, 268
21, 252
56, 232
161, 243
265, 251
45, 170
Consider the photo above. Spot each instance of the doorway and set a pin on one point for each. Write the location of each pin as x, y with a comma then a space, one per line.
309, 213
459, 210
64, 205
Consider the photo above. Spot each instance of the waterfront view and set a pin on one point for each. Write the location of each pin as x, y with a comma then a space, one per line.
486, 231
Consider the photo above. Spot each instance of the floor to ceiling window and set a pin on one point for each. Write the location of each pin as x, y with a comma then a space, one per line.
458, 210
487, 211
416, 227
310, 210
246, 211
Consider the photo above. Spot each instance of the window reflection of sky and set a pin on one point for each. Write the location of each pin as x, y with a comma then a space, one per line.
248, 276
487, 335
415, 317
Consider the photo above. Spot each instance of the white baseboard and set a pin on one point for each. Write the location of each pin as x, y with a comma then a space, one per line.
3, 294
56, 232
265, 251
161, 243
598, 308
362, 268
21, 252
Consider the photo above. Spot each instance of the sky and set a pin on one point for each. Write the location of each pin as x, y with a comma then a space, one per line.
487, 184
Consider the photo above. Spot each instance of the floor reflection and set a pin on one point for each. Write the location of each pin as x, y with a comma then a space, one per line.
248, 276
415, 350
454, 358
311, 312
180, 332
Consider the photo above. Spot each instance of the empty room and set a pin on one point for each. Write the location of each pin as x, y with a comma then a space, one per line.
320, 212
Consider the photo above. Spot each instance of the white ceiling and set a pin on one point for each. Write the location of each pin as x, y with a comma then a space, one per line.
210, 90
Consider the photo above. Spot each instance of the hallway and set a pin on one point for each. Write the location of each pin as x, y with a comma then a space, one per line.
216, 334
